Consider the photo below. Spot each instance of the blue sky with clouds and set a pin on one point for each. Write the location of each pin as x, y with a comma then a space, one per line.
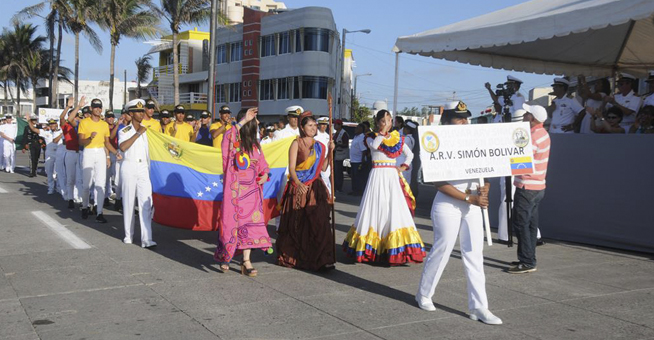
423, 81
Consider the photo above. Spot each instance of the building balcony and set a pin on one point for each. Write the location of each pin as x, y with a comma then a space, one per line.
167, 70
184, 98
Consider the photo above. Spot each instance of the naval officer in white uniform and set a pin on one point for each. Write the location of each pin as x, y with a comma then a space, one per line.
135, 175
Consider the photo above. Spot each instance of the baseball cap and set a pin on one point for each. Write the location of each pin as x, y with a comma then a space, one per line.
204, 114
224, 109
179, 109
150, 104
96, 103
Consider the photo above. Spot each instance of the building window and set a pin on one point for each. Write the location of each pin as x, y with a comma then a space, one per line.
267, 45
314, 87
284, 43
283, 88
221, 95
249, 83
234, 92
298, 41
316, 39
297, 89
267, 89
221, 54
236, 51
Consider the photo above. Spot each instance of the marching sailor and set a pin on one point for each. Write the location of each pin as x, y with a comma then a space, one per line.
291, 129
135, 175
8, 133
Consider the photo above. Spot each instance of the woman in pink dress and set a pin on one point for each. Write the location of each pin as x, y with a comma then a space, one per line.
243, 224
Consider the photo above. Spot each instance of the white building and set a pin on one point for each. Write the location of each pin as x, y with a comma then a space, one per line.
91, 89
233, 9
9, 104
275, 60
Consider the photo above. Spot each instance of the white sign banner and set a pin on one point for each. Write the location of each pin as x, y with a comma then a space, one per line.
457, 152
47, 114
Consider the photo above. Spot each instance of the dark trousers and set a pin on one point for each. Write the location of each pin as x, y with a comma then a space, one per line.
356, 177
525, 223
338, 175
35, 153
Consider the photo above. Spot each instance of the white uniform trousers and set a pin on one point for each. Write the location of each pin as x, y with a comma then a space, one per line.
135, 180
325, 175
70, 163
60, 170
502, 227
111, 174
9, 152
50, 158
2, 153
451, 217
79, 178
94, 171
119, 186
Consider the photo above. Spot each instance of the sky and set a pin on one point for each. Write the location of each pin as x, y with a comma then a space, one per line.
422, 80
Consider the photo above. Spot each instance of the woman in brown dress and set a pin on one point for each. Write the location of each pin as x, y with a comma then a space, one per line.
304, 237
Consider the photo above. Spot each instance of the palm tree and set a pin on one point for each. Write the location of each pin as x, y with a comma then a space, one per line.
37, 67
51, 19
143, 68
179, 12
129, 18
4, 61
21, 44
79, 14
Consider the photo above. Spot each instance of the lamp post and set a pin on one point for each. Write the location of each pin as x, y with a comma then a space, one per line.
340, 92
354, 92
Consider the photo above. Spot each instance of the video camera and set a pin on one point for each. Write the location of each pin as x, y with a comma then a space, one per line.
506, 92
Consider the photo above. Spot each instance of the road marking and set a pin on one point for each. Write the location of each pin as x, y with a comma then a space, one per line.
3, 191
60, 230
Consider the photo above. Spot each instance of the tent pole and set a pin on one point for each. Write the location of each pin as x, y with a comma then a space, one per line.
397, 77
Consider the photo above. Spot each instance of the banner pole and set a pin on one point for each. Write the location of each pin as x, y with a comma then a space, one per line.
331, 170
484, 212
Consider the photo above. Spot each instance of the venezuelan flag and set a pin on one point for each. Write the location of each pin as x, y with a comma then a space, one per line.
521, 166
187, 187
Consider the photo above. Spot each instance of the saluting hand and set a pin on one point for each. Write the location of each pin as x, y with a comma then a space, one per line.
70, 102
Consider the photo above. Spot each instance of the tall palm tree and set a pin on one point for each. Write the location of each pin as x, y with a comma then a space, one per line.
52, 18
178, 13
21, 44
37, 67
130, 18
78, 15
143, 68
4, 61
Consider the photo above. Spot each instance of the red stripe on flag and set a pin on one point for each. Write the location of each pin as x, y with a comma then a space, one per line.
197, 215
521, 171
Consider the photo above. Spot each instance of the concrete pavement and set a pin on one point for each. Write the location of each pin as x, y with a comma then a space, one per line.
49, 289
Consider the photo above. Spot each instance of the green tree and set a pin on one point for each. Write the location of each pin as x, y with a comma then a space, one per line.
129, 18
361, 112
78, 15
414, 111
143, 68
178, 13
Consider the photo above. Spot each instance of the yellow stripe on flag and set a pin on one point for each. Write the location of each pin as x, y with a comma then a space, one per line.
525, 159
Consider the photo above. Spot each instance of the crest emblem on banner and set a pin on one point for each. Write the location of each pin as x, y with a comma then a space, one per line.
520, 137
174, 149
430, 142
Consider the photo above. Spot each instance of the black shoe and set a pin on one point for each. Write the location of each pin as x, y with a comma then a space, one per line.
31, 175
85, 213
540, 243
100, 219
118, 206
71, 205
94, 210
506, 243
521, 269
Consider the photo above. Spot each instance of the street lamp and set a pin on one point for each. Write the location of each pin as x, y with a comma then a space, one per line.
354, 92
345, 31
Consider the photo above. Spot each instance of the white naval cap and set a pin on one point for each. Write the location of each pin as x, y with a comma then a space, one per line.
136, 105
34, 117
510, 78
518, 115
561, 81
651, 76
537, 111
450, 105
411, 124
294, 110
627, 76
323, 120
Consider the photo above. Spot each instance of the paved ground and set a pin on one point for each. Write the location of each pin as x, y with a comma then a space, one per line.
50, 290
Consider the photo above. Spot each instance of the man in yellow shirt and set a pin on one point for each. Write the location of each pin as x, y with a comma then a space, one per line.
94, 136
181, 129
148, 121
219, 128
165, 120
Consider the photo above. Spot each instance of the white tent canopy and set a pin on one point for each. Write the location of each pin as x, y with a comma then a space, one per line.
590, 37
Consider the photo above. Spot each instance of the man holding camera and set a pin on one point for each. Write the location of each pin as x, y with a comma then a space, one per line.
508, 96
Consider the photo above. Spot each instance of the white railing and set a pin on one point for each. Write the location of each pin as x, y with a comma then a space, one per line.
168, 70
184, 98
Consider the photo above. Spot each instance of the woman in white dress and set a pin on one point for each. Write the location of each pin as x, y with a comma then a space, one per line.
456, 211
384, 230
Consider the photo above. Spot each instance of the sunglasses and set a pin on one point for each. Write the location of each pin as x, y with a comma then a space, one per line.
611, 117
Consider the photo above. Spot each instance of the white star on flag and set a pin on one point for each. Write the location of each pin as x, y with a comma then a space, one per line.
215, 185
207, 189
199, 193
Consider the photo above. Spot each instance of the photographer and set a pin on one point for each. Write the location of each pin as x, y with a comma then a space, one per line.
507, 95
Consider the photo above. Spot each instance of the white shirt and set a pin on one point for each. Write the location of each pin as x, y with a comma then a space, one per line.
565, 113
10, 130
322, 137
594, 104
49, 137
265, 140
632, 102
517, 99
357, 148
288, 131
649, 100
138, 152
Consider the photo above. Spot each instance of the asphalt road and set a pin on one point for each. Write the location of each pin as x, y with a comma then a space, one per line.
68, 278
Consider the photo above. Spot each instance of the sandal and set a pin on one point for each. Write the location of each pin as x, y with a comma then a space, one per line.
223, 268
248, 272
